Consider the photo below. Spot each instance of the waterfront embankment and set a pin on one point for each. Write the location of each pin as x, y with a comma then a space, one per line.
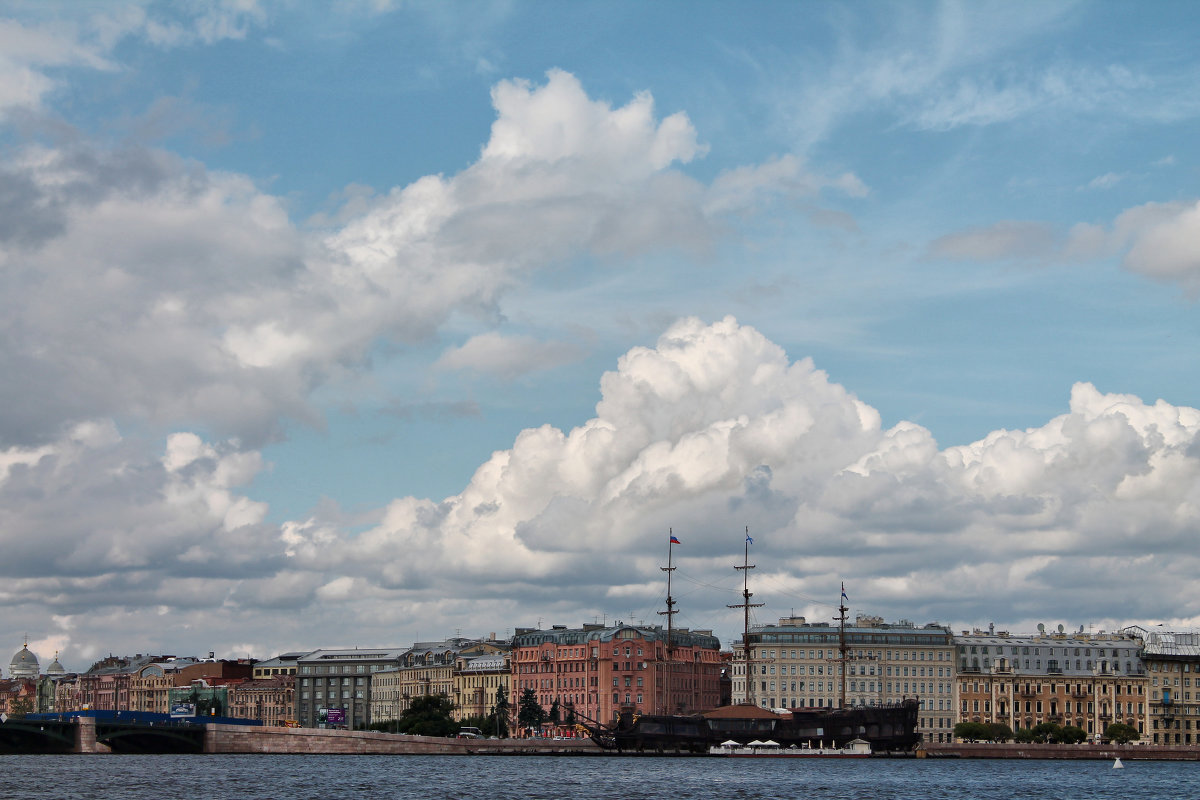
242, 739
1109, 752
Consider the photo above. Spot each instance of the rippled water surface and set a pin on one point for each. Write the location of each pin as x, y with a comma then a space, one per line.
506, 778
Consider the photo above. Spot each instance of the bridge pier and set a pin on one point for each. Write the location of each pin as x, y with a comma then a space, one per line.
85, 737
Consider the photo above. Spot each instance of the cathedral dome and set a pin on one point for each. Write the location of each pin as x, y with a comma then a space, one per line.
55, 667
24, 664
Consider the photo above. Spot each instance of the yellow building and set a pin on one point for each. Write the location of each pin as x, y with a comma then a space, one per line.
1172, 661
427, 668
477, 679
1083, 680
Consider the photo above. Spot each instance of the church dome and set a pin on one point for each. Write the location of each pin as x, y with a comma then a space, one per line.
55, 668
24, 664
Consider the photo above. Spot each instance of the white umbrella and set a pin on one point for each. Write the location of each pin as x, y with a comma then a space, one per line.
769, 743
731, 743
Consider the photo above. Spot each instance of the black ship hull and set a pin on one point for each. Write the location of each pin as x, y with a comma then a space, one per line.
890, 729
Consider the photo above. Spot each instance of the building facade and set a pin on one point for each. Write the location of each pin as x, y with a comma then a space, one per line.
282, 664
1083, 680
341, 680
429, 668
477, 680
797, 664
599, 670
1172, 660
271, 701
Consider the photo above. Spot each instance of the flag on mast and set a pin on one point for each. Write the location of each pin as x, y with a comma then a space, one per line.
674, 540
847, 599
748, 539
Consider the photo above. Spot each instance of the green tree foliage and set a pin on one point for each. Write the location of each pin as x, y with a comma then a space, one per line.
1046, 732
1072, 734
429, 716
971, 731
554, 711
1023, 736
500, 712
20, 706
998, 732
530, 713
1121, 733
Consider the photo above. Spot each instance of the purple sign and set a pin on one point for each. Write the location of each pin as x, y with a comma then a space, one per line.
335, 716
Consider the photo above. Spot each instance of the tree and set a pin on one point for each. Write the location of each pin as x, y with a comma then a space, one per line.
1072, 734
20, 706
429, 716
1121, 733
998, 732
1046, 732
971, 731
1023, 736
554, 713
530, 713
501, 712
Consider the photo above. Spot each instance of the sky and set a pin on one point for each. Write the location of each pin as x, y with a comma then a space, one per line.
363, 323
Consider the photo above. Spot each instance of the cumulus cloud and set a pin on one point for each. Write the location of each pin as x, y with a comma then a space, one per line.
141, 284
712, 429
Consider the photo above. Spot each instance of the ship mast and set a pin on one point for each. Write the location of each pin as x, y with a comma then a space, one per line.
841, 619
746, 605
670, 615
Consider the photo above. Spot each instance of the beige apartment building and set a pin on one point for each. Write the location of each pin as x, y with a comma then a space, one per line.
477, 680
1085, 680
1172, 660
798, 664
271, 701
428, 668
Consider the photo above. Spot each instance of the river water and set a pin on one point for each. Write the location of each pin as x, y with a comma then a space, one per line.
251, 777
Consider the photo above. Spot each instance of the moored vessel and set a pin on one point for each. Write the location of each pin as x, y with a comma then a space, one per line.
885, 728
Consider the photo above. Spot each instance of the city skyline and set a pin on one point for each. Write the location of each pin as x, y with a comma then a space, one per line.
349, 324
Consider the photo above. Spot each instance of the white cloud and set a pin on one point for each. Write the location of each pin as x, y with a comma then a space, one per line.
150, 287
711, 430
507, 356
1106, 181
1169, 249
29, 49
1158, 240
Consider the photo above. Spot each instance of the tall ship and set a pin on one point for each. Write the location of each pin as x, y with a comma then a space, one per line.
775, 715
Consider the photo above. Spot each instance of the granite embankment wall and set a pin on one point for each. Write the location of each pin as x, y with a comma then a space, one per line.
241, 739
1125, 752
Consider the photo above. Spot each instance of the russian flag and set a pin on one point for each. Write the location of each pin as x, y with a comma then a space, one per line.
675, 541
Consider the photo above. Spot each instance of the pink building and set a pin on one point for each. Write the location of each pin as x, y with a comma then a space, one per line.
598, 670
